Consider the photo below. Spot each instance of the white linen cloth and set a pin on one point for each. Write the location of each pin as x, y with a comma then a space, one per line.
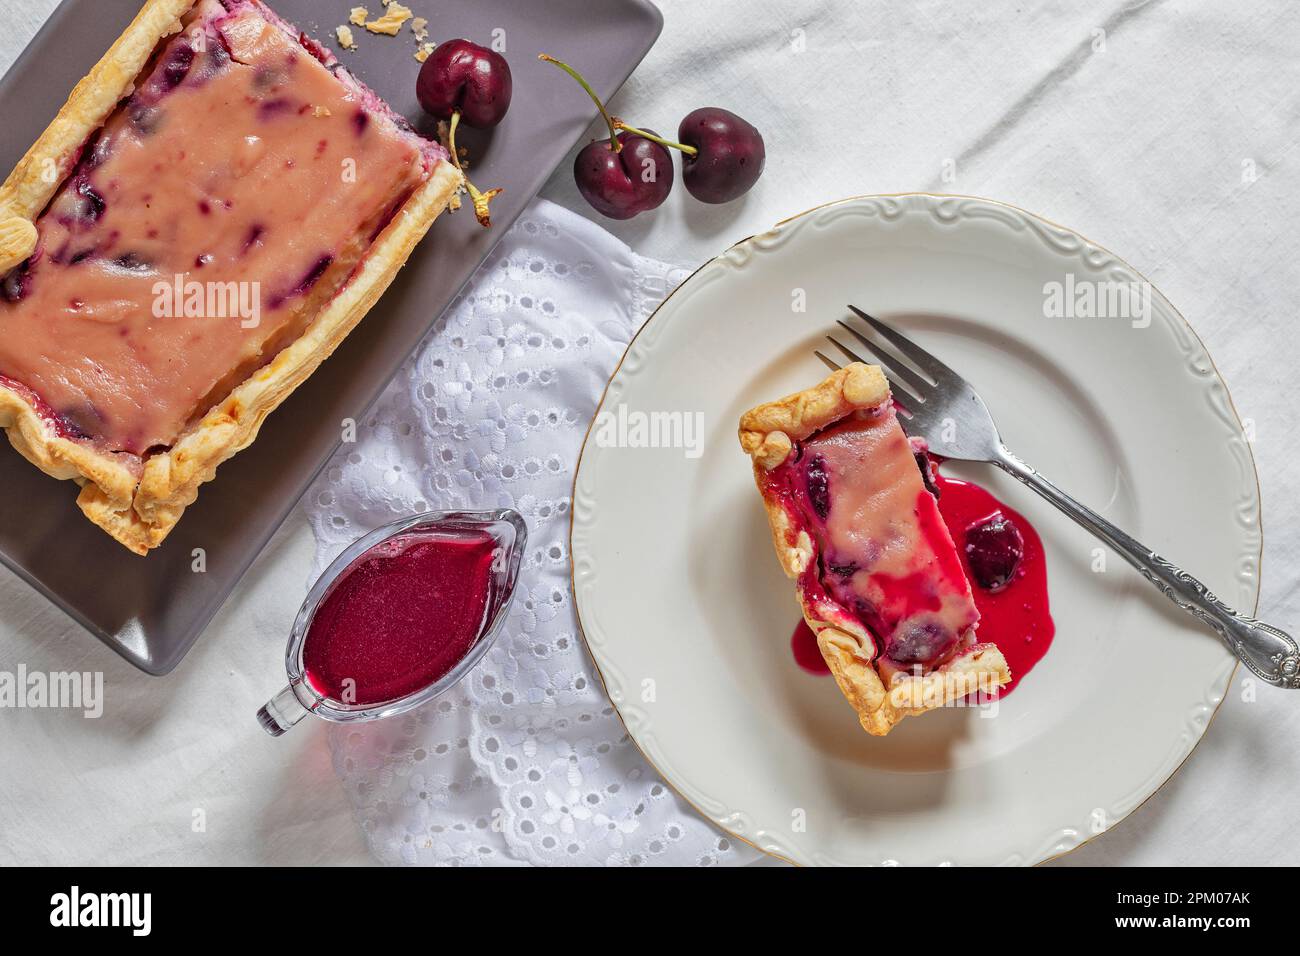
525, 760
1164, 131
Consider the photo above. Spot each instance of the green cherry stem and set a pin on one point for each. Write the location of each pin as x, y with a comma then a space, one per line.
614, 144
653, 138
688, 150
479, 199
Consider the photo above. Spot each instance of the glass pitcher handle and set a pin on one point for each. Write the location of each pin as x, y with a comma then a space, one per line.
281, 712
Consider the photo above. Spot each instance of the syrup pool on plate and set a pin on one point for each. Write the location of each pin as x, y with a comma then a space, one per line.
399, 617
803, 644
1017, 617
1012, 600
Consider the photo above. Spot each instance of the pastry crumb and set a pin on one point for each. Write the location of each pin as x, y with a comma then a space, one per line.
346, 40
359, 16
390, 24
423, 53
420, 27
320, 112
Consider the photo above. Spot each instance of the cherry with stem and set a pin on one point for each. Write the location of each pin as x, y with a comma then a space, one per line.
463, 81
722, 156
624, 175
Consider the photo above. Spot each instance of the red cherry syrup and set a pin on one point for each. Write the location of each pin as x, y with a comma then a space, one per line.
401, 616
1017, 617
803, 643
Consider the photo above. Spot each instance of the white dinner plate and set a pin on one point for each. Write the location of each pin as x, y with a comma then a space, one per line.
688, 615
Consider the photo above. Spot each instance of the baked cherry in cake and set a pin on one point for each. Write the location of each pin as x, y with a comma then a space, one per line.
878, 575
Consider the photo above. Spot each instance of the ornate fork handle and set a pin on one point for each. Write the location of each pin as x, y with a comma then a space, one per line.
1271, 654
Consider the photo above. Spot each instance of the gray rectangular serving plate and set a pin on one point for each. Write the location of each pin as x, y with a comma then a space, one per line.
151, 610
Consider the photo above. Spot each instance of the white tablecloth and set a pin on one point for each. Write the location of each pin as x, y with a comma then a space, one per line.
1164, 131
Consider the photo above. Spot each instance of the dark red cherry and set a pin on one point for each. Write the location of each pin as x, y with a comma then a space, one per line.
994, 548
16, 283
729, 154
464, 76
91, 204
177, 65
918, 642
621, 184
819, 491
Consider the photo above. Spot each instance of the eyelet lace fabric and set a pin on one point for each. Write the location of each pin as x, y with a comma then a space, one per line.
526, 761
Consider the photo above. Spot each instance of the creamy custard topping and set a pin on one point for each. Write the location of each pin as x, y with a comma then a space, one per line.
230, 196
884, 553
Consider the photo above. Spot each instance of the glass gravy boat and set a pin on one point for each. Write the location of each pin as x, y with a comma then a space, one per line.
508, 536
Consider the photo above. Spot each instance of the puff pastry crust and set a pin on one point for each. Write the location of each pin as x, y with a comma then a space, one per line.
880, 694
139, 505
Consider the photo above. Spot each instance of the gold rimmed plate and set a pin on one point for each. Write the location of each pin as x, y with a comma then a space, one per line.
689, 618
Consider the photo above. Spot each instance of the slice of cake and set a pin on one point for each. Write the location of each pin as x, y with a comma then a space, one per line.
878, 577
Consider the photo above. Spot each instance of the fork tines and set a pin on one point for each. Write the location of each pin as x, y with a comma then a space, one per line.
910, 385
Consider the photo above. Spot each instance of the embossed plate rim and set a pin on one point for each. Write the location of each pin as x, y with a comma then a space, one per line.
1071, 833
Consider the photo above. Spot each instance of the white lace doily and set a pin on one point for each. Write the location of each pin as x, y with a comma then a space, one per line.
526, 761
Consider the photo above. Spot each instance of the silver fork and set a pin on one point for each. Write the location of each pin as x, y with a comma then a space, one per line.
942, 407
